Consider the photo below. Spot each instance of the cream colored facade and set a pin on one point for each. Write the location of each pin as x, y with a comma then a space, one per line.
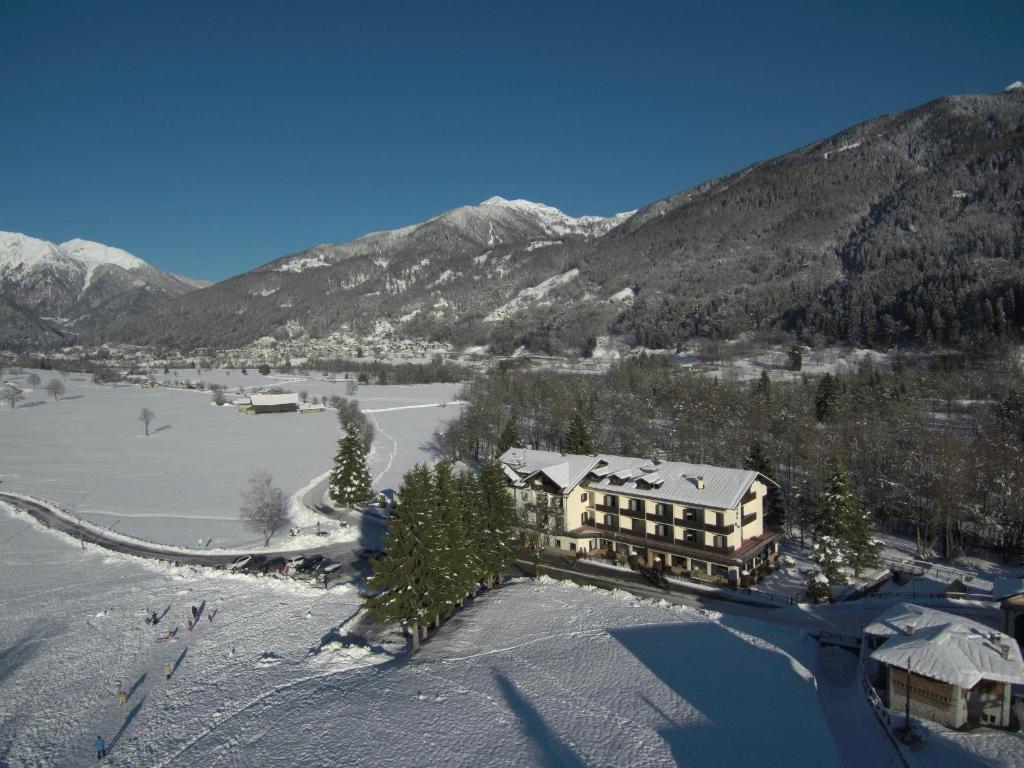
727, 544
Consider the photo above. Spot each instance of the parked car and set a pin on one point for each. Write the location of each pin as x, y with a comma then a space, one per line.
254, 565
311, 564
330, 573
293, 563
239, 563
274, 565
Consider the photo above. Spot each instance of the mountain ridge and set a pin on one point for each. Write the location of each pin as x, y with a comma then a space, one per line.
902, 229
51, 292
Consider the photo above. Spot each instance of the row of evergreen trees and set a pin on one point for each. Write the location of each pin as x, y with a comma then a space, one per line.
449, 533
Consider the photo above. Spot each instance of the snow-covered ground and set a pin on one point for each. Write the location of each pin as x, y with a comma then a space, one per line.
532, 674
181, 484
536, 673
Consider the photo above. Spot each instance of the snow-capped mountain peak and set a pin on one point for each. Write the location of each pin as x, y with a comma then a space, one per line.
79, 281
94, 254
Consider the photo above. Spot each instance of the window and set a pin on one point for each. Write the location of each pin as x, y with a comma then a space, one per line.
611, 520
664, 510
639, 526
689, 514
690, 535
636, 505
611, 501
572, 547
719, 519
718, 541
584, 496
663, 530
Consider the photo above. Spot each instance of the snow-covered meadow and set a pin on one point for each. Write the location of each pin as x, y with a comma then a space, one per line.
181, 484
536, 673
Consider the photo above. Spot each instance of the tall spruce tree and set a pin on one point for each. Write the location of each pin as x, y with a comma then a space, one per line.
759, 461
825, 398
578, 438
440, 532
843, 518
350, 479
509, 437
401, 577
502, 540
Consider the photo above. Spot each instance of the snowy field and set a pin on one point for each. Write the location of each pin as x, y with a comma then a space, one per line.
181, 484
533, 674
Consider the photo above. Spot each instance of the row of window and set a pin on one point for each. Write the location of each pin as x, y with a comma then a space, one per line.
666, 531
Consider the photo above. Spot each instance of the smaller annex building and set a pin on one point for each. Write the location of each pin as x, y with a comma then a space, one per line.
957, 671
287, 402
694, 519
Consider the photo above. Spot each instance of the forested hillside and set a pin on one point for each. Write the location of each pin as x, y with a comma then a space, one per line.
906, 229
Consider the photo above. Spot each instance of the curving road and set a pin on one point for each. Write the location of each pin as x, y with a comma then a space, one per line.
371, 530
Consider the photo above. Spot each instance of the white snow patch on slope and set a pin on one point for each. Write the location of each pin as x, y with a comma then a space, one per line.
541, 244
626, 294
1014, 86
301, 265
531, 295
844, 148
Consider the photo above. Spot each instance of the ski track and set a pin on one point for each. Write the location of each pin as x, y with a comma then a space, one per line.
394, 447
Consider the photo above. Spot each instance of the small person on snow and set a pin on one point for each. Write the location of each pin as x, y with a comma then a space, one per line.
155, 619
101, 748
190, 625
195, 613
167, 670
122, 695
209, 616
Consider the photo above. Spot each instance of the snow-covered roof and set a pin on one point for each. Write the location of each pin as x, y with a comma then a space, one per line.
675, 481
724, 488
1004, 587
945, 647
288, 398
564, 470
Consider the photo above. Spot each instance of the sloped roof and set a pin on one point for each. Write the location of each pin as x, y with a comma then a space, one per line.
945, 647
288, 398
723, 487
564, 470
677, 481
1007, 587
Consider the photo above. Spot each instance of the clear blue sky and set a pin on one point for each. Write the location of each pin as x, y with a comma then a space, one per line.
211, 137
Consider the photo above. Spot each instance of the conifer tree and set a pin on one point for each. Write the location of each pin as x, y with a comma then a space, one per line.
350, 479
509, 437
843, 518
400, 578
825, 398
759, 461
578, 438
501, 533
439, 525
467, 526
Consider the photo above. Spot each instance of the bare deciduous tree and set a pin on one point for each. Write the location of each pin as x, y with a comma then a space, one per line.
55, 388
11, 396
33, 380
147, 417
263, 506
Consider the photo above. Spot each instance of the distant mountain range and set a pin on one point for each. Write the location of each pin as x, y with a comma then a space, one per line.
908, 228
50, 294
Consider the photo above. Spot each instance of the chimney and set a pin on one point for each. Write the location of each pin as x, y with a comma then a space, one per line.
700, 482
1004, 648
910, 628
